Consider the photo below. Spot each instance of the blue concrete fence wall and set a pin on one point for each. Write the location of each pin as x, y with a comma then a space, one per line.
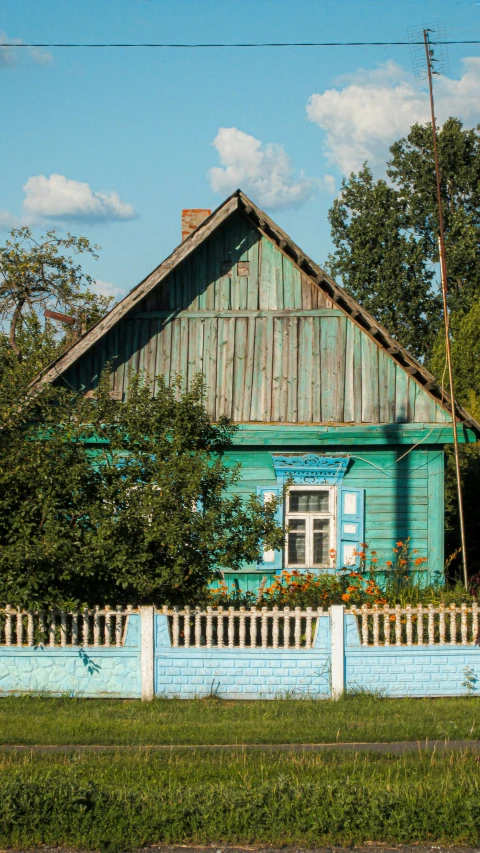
112, 672
147, 665
242, 673
408, 670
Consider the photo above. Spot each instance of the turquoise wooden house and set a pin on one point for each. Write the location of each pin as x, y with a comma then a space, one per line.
324, 397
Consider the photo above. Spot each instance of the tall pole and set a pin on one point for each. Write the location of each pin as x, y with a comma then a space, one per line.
443, 271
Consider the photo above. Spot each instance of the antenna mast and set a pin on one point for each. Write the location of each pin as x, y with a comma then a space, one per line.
443, 269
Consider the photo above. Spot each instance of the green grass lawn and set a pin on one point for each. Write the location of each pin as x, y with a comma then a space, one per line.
121, 801
30, 720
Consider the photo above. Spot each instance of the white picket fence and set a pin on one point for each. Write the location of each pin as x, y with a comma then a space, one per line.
95, 627
422, 625
229, 628
253, 628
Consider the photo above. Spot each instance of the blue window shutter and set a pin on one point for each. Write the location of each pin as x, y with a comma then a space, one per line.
350, 526
272, 560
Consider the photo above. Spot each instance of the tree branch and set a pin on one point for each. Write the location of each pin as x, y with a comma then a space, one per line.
13, 328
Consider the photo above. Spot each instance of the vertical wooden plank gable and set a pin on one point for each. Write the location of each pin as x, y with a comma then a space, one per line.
401, 395
386, 388
210, 364
292, 370
333, 352
292, 285
239, 367
305, 369
316, 371
370, 400
320, 369
270, 284
279, 384
249, 370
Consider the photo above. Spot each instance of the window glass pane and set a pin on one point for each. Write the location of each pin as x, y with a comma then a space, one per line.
296, 542
321, 541
308, 501
296, 549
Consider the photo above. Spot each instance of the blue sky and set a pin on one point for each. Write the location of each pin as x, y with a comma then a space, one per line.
113, 143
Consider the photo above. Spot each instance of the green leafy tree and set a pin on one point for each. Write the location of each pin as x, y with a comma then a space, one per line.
38, 275
386, 251
465, 347
380, 261
34, 276
385, 236
135, 507
413, 174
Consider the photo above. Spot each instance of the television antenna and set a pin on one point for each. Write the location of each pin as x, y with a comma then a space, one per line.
430, 60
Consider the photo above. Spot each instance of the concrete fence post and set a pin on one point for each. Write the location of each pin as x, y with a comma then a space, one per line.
337, 636
147, 623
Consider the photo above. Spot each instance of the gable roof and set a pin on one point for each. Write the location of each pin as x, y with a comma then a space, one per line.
339, 296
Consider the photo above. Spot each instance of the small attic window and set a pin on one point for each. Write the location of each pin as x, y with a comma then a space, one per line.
243, 268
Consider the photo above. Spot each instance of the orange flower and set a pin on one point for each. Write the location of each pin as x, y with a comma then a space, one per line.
403, 562
415, 551
420, 560
345, 597
363, 545
374, 560
399, 544
389, 563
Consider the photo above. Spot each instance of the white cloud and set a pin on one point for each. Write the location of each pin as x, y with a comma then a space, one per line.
460, 97
10, 55
329, 184
263, 171
58, 197
7, 221
367, 112
105, 288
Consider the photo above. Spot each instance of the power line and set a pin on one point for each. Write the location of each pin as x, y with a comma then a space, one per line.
235, 45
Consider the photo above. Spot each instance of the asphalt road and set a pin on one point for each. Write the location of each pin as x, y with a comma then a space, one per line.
395, 748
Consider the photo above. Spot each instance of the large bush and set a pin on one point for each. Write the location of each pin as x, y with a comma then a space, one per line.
121, 503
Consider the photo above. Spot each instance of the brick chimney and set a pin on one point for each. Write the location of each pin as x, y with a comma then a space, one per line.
191, 219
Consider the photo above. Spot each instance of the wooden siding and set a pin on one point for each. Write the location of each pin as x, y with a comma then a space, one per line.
403, 497
270, 344
214, 278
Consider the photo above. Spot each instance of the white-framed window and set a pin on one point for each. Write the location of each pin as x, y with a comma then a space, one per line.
310, 517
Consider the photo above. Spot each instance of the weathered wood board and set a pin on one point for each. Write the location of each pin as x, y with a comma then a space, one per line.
269, 342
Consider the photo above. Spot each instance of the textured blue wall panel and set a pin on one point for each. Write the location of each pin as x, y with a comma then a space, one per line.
242, 673
403, 671
77, 672
109, 672
407, 670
